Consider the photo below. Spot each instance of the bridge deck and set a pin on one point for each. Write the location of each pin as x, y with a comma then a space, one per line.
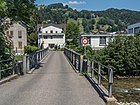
53, 83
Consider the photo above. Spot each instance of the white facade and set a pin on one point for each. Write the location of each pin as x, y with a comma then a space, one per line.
97, 41
134, 28
51, 36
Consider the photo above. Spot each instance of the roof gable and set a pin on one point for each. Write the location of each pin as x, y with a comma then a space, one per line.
60, 26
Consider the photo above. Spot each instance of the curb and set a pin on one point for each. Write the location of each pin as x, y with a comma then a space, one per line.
9, 78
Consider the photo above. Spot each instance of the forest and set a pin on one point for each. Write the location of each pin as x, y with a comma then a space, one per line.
110, 20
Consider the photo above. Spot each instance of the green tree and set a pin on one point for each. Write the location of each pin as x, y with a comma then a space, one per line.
32, 39
23, 10
4, 42
72, 32
122, 55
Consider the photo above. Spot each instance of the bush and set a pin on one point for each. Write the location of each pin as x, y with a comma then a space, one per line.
30, 49
122, 55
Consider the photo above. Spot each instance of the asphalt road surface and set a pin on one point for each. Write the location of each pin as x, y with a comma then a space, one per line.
53, 83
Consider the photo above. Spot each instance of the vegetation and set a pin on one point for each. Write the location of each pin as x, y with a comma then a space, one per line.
17, 10
30, 49
123, 55
110, 20
4, 42
72, 32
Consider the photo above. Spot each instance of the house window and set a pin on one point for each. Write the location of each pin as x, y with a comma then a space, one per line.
10, 34
102, 41
51, 31
51, 37
7, 33
19, 34
56, 31
89, 40
46, 31
62, 31
45, 37
20, 45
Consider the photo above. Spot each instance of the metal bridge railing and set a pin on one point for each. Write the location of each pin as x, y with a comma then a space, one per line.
31, 60
10, 67
94, 69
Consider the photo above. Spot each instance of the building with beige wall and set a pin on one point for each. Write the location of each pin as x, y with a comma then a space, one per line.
17, 33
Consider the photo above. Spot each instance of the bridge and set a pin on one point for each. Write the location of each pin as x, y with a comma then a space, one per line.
53, 82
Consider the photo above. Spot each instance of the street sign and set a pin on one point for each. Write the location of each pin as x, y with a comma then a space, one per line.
84, 40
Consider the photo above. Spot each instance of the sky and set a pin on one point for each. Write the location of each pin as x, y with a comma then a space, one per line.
95, 5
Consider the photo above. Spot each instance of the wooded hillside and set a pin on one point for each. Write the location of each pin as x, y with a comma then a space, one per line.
110, 20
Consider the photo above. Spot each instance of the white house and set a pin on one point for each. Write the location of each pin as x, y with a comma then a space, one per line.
51, 35
97, 41
134, 28
17, 33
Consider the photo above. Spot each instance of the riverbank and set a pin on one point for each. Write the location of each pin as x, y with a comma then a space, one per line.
127, 90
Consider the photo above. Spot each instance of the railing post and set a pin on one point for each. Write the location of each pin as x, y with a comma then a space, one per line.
25, 64
85, 65
88, 66
13, 69
0, 71
99, 74
40, 55
81, 63
110, 82
92, 69
74, 60
71, 56
36, 59
28, 64
77, 61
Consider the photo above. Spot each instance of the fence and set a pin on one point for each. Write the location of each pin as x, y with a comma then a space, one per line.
31, 60
92, 68
10, 67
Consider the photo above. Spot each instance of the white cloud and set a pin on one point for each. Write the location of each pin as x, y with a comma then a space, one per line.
75, 2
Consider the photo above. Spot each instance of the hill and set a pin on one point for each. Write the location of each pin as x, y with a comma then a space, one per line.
110, 20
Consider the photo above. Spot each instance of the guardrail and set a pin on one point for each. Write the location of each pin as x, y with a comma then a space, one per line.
10, 67
31, 60
92, 68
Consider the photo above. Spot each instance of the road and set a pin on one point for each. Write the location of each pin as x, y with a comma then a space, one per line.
54, 82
